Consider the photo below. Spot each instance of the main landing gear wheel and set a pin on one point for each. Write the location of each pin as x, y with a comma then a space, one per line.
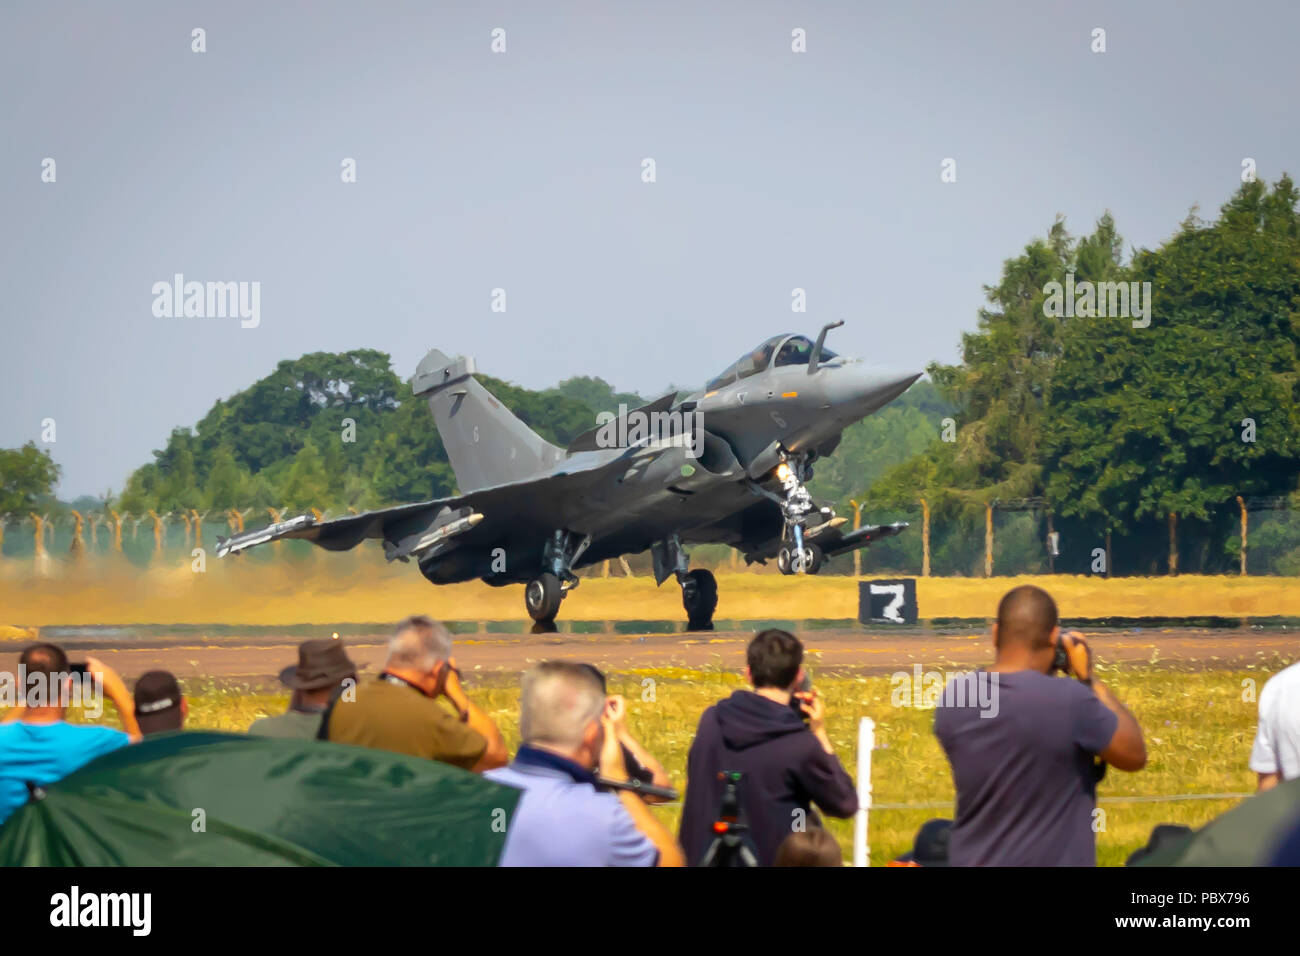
700, 599
542, 597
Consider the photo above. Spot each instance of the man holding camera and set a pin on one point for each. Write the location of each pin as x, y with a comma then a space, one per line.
1026, 768
37, 744
409, 707
569, 728
775, 737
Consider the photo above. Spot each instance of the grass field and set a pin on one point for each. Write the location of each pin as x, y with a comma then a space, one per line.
1199, 725
310, 587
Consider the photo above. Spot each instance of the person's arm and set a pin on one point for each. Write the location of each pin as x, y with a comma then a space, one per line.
814, 708
613, 768
115, 689
495, 754
824, 777
1127, 750
659, 776
1263, 753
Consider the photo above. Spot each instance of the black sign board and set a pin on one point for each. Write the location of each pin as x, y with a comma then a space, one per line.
887, 601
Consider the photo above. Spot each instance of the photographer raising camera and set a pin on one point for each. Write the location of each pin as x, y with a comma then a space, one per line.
1026, 768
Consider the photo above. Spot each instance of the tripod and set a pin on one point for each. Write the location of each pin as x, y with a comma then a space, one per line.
731, 846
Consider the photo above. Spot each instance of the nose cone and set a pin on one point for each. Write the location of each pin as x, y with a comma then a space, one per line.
866, 389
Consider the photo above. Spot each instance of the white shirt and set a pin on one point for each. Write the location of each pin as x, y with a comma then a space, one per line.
1277, 742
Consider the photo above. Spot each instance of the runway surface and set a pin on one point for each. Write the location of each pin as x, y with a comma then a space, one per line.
256, 659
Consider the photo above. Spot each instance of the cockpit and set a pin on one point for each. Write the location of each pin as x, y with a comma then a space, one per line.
776, 351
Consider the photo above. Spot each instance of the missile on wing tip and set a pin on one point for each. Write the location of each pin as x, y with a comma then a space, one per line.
248, 539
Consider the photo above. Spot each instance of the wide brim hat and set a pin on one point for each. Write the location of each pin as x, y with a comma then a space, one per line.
321, 663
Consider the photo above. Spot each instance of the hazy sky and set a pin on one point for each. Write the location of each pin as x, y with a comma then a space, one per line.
523, 171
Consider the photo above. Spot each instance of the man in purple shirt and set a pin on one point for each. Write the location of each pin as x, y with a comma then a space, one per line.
569, 728
1023, 744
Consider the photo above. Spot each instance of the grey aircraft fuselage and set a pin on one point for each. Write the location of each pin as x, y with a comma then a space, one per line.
748, 422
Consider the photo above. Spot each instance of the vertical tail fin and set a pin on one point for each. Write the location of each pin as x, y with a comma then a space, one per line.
486, 444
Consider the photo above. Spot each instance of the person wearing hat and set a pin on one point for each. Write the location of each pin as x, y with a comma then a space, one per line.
323, 665
930, 848
159, 705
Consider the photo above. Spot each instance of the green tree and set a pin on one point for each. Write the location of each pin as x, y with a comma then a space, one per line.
27, 475
1201, 406
227, 484
307, 484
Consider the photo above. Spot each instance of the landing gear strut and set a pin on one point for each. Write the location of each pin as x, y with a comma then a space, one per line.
543, 594
797, 556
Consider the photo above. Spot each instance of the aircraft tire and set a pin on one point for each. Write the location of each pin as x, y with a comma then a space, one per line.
700, 599
783, 561
542, 596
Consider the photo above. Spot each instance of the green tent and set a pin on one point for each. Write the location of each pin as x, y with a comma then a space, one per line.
1247, 835
208, 799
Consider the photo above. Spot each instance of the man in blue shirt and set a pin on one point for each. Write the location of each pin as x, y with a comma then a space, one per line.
37, 746
1023, 744
569, 728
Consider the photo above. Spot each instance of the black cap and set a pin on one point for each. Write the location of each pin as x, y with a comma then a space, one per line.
931, 845
158, 702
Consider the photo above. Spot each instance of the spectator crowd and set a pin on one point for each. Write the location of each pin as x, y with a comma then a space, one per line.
761, 770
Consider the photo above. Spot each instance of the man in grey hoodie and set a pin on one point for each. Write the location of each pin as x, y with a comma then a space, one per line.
775, 737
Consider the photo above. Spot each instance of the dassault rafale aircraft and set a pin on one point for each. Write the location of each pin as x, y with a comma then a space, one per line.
726, 464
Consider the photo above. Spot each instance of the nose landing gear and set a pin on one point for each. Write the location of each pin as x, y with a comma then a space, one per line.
797, 555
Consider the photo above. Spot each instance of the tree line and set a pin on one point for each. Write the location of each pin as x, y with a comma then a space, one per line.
1138, 429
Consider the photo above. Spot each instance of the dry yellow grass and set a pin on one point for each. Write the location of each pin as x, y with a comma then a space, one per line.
312, 587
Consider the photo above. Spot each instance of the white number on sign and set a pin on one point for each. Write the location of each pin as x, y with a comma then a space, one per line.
891, 609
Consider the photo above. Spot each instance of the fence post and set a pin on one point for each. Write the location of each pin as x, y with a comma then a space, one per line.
857, 552
1051, 558
157, 531
1173, 542
1242, 503
78, 543
866, 743
925, 538
988, 540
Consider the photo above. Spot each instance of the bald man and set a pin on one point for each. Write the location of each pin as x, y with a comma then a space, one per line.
417, 705
1027, 748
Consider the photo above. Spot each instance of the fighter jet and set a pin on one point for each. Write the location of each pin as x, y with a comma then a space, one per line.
726, 464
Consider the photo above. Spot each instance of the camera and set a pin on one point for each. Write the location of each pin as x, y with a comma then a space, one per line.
803, 687
1060, 660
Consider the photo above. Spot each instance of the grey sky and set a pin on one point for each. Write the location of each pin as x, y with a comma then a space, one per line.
522, 171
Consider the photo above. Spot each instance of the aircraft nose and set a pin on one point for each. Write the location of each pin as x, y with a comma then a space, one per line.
870, 388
